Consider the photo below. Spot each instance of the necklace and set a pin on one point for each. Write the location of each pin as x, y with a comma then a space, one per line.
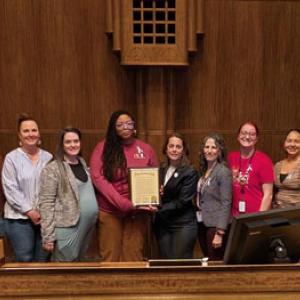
205, 180
244, 177
73, 161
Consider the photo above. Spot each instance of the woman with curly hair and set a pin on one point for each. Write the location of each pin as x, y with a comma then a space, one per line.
214, 197
123, 227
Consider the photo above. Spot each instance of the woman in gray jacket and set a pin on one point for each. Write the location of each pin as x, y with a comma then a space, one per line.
67, 201
213, 197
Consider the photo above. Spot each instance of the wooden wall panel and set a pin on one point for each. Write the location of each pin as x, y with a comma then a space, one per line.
248, 68
155, 112
56, 64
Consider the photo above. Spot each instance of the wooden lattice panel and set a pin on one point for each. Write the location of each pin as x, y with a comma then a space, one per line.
154, 32
154, 22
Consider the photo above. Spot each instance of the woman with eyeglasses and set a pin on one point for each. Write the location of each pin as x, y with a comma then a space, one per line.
253, 174
287, 173
123, 228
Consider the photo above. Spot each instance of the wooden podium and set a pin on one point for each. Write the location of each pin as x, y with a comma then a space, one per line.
135, 281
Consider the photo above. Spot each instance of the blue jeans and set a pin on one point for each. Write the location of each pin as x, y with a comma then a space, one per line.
2, 231
25, 238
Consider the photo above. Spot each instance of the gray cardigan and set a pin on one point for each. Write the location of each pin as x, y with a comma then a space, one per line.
57, 209
216, 198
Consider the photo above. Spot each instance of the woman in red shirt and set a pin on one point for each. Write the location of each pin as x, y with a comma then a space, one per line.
252, 172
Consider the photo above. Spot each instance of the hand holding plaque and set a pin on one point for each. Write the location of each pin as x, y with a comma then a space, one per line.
144, 186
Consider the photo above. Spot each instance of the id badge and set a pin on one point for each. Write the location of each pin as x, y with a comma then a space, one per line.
242, 206
199, 216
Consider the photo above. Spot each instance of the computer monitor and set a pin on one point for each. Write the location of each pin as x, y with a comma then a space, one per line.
266, 237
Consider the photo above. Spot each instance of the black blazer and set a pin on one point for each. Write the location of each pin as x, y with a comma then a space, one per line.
178, 195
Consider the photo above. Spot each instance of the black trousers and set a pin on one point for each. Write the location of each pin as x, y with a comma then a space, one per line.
206, 236
176, 241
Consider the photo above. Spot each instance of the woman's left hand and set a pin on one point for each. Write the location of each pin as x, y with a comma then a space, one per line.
48, 246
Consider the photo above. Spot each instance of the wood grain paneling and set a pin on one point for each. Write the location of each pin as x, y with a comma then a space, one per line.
56, 63
248, 70
138, 281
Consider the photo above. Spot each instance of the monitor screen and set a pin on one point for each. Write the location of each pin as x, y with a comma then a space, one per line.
265, 237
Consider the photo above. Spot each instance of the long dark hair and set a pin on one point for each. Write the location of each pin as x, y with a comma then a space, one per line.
219, 141
184, 160
113, 156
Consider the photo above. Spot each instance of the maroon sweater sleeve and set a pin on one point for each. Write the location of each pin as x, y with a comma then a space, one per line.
104, 187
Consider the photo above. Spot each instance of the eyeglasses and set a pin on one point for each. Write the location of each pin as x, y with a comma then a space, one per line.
125, 125
245, 133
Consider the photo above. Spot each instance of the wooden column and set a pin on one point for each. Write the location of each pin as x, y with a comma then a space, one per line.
155, 105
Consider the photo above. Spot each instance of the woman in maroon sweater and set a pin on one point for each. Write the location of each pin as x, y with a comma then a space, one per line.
123, 228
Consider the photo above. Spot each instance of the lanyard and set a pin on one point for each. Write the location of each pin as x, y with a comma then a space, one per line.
203, 183
243, 178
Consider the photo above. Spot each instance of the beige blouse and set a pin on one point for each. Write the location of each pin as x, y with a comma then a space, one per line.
288, 191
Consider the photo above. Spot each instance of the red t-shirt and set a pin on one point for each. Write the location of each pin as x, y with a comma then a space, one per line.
260, 171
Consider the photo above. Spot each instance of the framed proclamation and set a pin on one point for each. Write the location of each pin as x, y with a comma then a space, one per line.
144, 186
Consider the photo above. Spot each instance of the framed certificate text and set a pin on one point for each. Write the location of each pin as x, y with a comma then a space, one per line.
144, 186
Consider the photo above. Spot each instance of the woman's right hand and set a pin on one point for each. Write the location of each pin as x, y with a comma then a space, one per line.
151, 208
49, 246
217, 241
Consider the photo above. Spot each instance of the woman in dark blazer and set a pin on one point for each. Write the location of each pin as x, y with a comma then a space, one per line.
175, 223
213, 197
